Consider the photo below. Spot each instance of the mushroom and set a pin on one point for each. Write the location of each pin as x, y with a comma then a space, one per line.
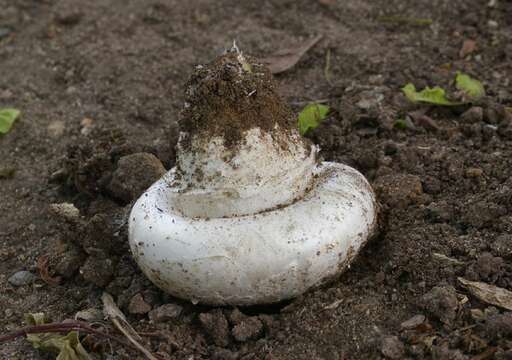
248, 215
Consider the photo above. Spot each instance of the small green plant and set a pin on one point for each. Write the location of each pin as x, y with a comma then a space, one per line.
435, 96
471, 89
311, 116
7, 118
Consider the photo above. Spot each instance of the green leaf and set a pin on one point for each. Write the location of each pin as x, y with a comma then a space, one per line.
67, 347
471, 87
436, 95
311, 116
7, 118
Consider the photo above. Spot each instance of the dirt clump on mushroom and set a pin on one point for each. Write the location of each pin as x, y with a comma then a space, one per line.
233, 94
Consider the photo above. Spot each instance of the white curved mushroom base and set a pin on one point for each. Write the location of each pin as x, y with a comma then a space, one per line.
261, 258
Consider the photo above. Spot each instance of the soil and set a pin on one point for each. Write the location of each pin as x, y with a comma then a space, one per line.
233, 94
102, 81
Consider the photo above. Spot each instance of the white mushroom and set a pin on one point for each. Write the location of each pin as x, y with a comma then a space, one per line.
248, 215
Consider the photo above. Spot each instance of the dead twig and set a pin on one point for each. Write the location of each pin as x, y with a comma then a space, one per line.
119, 320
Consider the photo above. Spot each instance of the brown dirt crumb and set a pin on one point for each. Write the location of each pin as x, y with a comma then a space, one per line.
138, 305
216, 325
399, 190
98, 270
165, 313
442, 303
247, 329
134, 174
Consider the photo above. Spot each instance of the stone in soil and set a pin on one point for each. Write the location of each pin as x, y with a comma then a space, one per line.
441, 302
134, 174
413, 322
216, 325
90, 315
248, 329
66, 211
138, 305
473, 115
392, 348
165, 313
21, 278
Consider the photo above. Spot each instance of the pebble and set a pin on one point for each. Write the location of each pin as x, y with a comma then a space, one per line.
86, 124
67, 211
369, 99
413, 322
138, 305
492, 24
473, 115
71, 90
56, 128
91, 315
392, 348
165, 312
21, 278
474, 172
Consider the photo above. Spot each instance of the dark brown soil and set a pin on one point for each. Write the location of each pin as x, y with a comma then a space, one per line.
100, 81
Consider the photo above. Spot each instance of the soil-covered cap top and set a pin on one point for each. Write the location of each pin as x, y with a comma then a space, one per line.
231, 95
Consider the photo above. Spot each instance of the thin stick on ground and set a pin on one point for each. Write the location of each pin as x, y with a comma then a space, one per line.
118, 319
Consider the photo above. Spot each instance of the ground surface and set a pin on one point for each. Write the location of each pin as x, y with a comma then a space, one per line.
444, 181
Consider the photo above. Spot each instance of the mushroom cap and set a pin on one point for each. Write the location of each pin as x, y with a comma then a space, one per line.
259, 258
